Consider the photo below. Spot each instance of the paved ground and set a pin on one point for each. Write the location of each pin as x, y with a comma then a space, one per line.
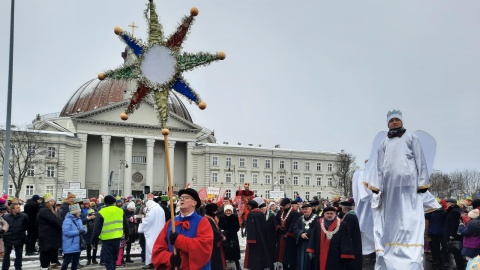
32, 262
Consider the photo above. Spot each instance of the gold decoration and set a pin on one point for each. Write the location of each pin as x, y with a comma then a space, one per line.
117, 30
202, 105
165, 131
403, 245
221, 55
101, 76
194, 11
124, 116
328, 233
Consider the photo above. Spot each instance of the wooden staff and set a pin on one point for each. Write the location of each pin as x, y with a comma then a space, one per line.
165, 133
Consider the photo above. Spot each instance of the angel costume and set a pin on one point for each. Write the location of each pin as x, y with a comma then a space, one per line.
363, 208
151, 226
398, 173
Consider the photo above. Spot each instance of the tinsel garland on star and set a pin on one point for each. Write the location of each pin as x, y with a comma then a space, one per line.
159, 64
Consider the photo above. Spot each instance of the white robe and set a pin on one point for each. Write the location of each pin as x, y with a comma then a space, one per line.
398, 211
151, 227
363, 209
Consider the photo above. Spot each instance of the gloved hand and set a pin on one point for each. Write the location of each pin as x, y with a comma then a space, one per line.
81, 232
422, 190
310, 255
175, 259
173, 237
283, 231
375, 191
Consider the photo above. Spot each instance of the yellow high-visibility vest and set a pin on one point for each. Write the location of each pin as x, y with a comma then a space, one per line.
112, 223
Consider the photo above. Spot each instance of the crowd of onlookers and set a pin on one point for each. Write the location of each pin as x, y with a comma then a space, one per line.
455, 229
50, 229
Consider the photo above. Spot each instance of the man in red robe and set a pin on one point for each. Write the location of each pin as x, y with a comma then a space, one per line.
330, 246
246, 195
192, 239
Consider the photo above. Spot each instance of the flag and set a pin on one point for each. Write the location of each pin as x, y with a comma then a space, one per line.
202, 193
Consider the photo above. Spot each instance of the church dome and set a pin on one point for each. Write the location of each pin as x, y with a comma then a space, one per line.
95, 94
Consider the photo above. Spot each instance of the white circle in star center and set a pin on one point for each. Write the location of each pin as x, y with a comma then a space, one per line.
158, 65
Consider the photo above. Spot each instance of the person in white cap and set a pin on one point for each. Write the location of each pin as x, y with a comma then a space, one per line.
400, 177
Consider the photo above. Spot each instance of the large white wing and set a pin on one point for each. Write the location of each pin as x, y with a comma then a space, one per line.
429, 148
370, 167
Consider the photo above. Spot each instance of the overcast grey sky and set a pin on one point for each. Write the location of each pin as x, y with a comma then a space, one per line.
309, 75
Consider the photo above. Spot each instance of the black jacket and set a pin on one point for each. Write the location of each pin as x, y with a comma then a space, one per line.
31, 209
453, 220
49, 230
17, 228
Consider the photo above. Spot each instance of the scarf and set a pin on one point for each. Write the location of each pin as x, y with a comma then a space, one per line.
396, 132
327, 222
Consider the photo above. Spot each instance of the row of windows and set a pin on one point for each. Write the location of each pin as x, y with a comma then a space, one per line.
32, 150
30, 189
268, 164
268, 179
50, 172
228, 193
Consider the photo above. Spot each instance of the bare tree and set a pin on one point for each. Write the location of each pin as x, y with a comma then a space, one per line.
441, 185
27, 147
465, 182
344, 168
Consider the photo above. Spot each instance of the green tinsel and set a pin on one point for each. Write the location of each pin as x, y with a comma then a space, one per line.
155, 31
188, 61
125, 72
161, 98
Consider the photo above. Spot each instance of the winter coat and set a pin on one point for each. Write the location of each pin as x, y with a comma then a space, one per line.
231, 246
88, 236
471, 238
71, 234
436, 224
132, 226
453, 220
3, 226
31, 209
17, 227
49, 230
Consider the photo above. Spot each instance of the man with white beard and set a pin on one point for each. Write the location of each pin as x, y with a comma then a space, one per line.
151, 226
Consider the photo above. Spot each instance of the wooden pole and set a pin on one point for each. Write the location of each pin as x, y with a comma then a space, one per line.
165, 133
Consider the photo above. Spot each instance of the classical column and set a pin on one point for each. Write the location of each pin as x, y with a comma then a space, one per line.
171, 152
105, 163
150, 145
127, 175
189, 165
82, 162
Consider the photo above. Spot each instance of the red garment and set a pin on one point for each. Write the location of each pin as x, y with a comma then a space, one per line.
194, 252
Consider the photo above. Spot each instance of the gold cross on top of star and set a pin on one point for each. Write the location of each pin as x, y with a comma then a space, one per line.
133, 26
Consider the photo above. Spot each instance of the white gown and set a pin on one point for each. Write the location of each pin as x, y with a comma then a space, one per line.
363, 209
151, 227
399, 171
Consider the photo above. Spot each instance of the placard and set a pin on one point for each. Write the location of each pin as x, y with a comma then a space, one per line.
80, 193
75, 185
275, 194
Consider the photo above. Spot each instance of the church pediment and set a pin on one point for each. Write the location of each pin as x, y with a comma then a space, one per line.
145, 116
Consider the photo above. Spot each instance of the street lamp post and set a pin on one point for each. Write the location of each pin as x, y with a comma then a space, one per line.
122, 162
6, 159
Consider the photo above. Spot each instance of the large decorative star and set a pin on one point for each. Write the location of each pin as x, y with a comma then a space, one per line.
159, 64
